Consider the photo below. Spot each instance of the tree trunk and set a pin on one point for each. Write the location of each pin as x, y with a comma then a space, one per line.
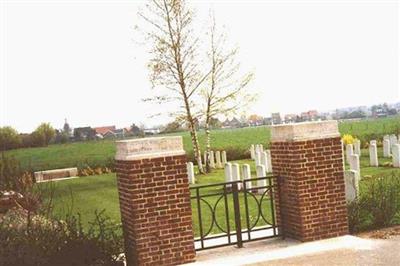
195, 144
208, 146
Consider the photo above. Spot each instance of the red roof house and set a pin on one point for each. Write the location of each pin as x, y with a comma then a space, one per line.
104, 130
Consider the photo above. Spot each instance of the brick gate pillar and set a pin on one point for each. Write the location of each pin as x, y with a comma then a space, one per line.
307, 158
154, 200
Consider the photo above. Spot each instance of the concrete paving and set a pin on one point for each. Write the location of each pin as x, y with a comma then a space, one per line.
346, 250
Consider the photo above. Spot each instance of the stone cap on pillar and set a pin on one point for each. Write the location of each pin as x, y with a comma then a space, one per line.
147, 148
305, 131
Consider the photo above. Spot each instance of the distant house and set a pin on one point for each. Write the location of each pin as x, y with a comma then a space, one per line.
290, 118
104, 130
311, 115
255, 120
267, 121
111, 132
234, 123
379, 112
276, 118
115, 134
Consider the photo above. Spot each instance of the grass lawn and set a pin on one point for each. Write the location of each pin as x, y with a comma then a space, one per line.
366, 169
84, 195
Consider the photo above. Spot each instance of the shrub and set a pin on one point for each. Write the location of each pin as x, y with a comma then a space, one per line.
378, 205
382, 200
57, 242
12, 177
87, 168
357, 216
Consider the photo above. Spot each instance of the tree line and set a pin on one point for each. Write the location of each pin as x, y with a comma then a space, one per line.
11, 139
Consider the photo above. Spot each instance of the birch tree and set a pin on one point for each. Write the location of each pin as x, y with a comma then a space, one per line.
174, 61
226, 91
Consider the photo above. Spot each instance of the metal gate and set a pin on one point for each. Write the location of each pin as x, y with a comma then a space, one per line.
233, 213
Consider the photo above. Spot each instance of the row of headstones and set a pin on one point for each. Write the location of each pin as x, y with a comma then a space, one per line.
388, 144
235, 172
217, 160
353, 155
254, 149
261, 157
352, 176
391, 146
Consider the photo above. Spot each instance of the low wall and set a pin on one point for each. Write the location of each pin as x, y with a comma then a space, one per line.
55, 174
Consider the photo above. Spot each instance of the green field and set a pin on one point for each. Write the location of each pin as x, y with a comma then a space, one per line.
235, 141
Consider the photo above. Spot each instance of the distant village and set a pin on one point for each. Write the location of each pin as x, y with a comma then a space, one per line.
112, 132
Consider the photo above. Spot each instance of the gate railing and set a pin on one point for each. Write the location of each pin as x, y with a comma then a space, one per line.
233, 213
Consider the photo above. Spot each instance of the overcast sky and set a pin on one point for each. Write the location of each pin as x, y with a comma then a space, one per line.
79, 59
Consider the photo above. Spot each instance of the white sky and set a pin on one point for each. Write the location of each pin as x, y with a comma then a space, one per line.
79, 59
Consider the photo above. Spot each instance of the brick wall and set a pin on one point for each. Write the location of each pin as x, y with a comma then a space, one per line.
312, 202
155, 210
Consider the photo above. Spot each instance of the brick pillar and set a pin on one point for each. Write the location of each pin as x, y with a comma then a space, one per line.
308, 159
154, 200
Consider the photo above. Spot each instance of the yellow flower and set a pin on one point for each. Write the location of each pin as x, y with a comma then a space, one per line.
348, 139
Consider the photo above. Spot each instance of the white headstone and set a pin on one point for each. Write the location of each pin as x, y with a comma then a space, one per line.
212, 159
264, 159
236, 174
190, 171
257, 148
223, 157
246, 173
386, 148
228, 172
268, 169
357, 147
349, 152
393, 140
396, 155
373, 155
372, 142
257, 158
351, 185
252, 151
261, 148
261, 183
355, 163
218, 162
